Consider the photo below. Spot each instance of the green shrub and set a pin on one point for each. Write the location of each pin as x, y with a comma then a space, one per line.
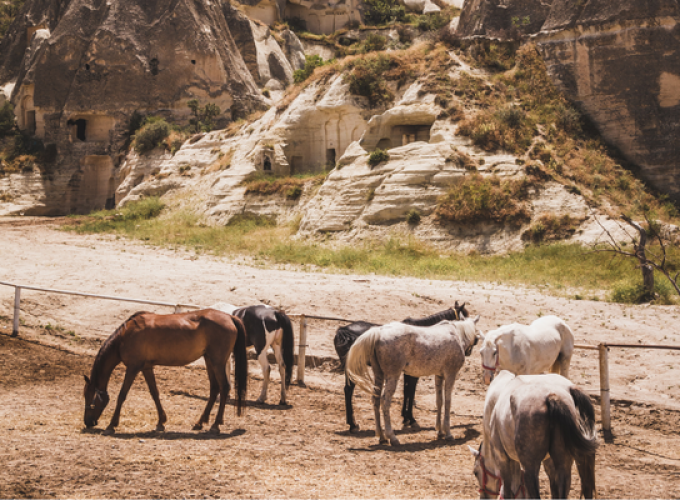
432, 22
632, 291
203, 119
374, 43
483, 199
294, 192
367, 79
380, 12
311, 63
413, 217
7, 126
378, 156
151, 135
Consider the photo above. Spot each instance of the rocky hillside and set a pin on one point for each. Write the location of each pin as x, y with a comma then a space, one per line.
469, 137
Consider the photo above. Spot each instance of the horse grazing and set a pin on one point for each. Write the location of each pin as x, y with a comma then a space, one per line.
394, 348
545, 345
267, 327
145, 340
527, 418
345, 337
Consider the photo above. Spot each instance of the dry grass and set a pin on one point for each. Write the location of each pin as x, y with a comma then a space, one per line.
486, 199
290, 187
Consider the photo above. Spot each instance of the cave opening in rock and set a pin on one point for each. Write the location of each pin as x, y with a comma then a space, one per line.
330, 158
81, 126
30, 122
267, 165
153, 65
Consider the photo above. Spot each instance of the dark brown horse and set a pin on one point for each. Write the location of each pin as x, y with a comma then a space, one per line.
146, 340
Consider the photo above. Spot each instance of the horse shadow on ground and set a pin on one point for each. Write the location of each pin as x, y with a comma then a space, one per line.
170, 435
369, 433
232, 401
470, 434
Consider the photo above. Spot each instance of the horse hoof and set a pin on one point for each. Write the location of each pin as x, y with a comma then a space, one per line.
197, 427
440, 435
259, 401
160, 428
353, 429
394, 441
214, 430
384, 441
282, 403
449, 437
415, 426
109, 431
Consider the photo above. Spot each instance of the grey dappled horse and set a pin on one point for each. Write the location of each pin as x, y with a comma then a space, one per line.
526, 419
394, 348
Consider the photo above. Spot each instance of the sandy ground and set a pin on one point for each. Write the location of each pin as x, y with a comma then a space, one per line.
297, 451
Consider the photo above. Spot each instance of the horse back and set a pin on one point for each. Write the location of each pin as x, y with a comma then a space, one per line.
177, 339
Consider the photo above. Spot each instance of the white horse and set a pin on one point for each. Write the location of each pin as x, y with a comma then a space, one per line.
394, 348
267, 327
545, 345
527, 418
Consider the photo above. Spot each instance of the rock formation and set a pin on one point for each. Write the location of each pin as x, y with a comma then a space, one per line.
81, 68
618, 61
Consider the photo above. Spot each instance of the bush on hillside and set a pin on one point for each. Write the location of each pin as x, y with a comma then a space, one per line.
380, 12
7, 126
484, 199
151, 135
367, 79
311, 63
378, 156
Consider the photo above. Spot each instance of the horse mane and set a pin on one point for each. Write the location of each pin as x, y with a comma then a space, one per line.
109, 344
467, 330
448, 315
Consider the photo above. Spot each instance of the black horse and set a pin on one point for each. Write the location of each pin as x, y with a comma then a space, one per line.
347, 335
267, 327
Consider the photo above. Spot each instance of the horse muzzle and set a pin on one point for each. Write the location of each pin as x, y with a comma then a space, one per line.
488, 376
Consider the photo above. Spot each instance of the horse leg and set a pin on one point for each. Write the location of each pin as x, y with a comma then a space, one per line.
438, 383
448, 390
377, 391
130, 374
153, 389
282, 372
349, 409
409, 400
586, 471
565, 361
264, 363
511, 476
388, 392
214, 388
220, 373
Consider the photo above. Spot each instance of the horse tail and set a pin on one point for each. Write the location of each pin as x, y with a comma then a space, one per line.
240, 366
358, 360
577, 430
586, 463
288, 344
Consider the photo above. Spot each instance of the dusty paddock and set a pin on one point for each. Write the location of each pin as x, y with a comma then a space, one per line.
298, 451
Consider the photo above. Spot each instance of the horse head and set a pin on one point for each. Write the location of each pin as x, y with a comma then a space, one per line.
489, 483
461, 310
489, 353
95, 402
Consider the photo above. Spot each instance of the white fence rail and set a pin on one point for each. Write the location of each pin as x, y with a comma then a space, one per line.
602, 348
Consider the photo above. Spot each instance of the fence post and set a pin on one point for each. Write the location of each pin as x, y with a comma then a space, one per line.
302, 351
17, 308
604, 389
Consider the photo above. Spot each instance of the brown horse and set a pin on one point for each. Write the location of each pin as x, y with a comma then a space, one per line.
148, 339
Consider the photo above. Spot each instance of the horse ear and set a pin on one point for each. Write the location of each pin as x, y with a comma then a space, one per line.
477, 318
473, 451
87, 379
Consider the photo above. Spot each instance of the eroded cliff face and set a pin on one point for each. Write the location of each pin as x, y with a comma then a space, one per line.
87, 66
619, 61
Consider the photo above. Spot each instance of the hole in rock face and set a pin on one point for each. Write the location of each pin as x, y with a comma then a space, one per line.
193, 61
153, 66
330, 157
81, 125
87, 67
267, 165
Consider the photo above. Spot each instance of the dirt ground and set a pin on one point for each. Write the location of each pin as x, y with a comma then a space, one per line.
302, 450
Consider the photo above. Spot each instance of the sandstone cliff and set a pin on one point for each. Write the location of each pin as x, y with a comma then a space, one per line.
80, 69
619, 61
